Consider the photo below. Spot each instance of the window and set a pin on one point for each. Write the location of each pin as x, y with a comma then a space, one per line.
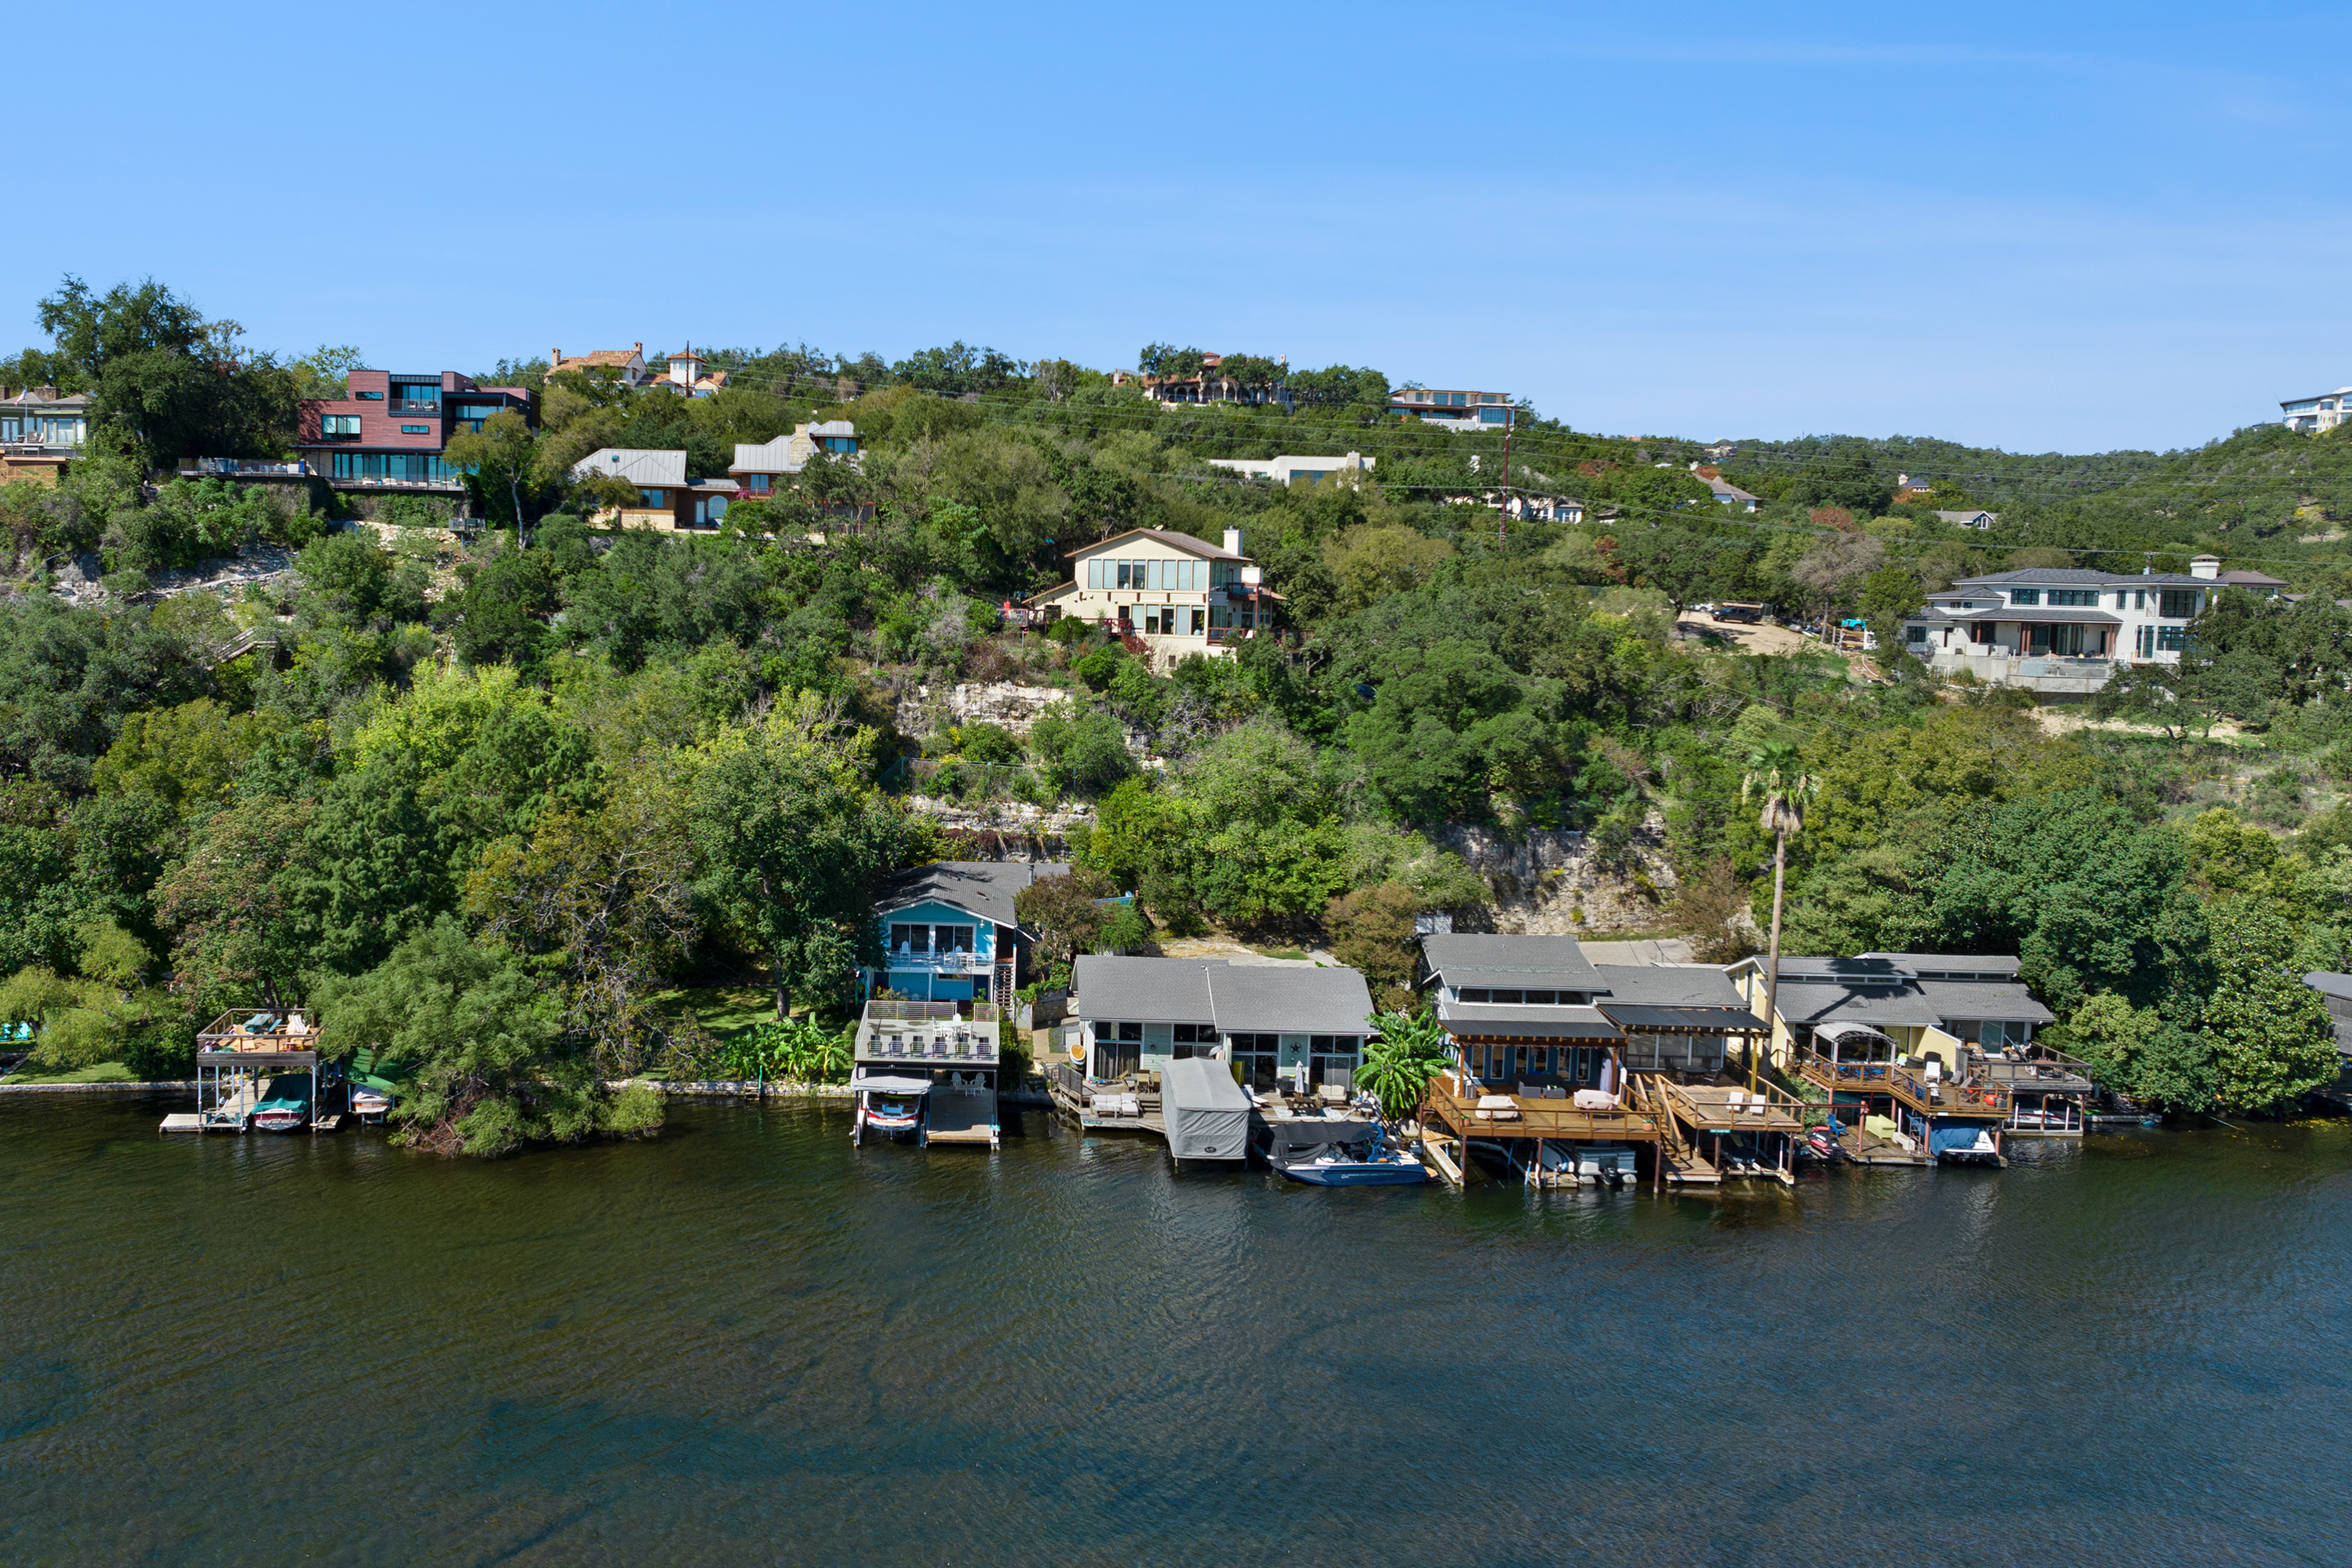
1118, 1048
2177, 604
1331, 1058
2086, 596
416, 429
1476, 994
1915, 634
757, 484
1199, 622
2143, 643
2171, 639
910, 939
1493, 416
416, 394
1191, 1036
369, 396
2139, 598
653, 497
339, 427
399, 467
1259, 1057
2025, 595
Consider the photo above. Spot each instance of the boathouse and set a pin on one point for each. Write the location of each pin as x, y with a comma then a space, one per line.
932, 1065
1551, 1049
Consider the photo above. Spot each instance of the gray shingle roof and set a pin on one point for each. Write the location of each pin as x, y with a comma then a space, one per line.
1668, 986
1248, 998
2081, 577
981, 888
1984, 999
1544, 963
2071, 615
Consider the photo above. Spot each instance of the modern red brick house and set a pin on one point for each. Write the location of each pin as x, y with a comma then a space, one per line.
389, 430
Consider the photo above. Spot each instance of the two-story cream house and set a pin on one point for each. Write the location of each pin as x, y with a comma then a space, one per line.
2061, 629
1178, 594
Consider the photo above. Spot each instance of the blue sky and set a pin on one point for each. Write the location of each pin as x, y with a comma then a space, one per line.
2038, 226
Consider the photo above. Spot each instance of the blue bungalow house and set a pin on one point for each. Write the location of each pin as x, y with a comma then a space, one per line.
949, 931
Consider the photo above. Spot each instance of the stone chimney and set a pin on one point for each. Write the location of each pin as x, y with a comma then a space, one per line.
2205, 566
1234, 541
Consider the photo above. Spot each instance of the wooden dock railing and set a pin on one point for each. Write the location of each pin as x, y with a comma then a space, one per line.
1539, 1119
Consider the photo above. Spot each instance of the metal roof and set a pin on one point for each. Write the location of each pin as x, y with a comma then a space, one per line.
1491, 1021
1544, 963
982, 888
1949, 965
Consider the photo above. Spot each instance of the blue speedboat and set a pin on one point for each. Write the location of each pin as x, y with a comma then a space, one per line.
1331, 1154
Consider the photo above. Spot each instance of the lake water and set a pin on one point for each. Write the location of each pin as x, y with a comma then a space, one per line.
748, 1342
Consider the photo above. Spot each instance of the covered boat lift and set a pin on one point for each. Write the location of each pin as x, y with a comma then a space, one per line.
1206, 1112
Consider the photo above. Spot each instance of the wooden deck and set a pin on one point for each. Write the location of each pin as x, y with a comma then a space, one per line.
1527, 1118
1710, 1107
1911, 1088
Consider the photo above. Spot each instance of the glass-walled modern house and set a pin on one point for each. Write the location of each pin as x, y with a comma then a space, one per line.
389, 429
40, 433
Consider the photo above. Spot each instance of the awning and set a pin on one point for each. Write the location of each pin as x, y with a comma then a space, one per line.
886, 1084
1683, 1020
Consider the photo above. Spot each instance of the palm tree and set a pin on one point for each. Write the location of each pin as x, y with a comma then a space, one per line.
1776, 772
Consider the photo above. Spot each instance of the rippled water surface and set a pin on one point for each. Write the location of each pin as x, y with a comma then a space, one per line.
748, 1342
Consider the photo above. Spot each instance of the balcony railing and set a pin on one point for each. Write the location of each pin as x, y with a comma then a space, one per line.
942, 962
451, 482
900, 1010
1525, 1118
238, 467
1945, 1097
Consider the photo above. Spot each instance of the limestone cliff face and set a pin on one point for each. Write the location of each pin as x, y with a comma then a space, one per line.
1549, 882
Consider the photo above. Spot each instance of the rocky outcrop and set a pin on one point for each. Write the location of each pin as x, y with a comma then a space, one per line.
1005, 703
1549, 882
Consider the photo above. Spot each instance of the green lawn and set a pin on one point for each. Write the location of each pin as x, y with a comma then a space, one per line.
102, 1072
727, 1011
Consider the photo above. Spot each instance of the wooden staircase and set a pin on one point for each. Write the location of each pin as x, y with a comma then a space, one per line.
1680, 1160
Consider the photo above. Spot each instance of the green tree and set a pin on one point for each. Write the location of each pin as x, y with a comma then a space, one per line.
233, 905
2136, 1051
1371, 930
1889, 595
1407, 1052
502, 458
489, 1066
2272, 1039
793, 839
1069, 915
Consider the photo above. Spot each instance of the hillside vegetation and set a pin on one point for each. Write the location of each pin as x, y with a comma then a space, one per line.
498, 797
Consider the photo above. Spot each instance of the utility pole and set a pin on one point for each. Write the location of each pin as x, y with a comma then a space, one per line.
1503, 527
